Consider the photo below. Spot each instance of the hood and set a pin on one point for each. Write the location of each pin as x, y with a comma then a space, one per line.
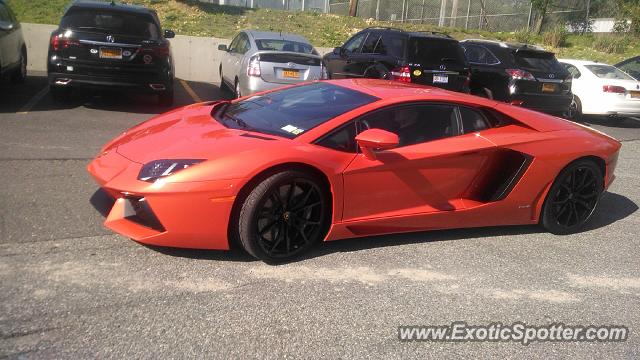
188, 133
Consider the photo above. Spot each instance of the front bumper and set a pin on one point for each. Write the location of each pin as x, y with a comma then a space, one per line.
185, 215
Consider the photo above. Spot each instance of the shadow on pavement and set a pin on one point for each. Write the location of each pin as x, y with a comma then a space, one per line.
616, 122
612, 208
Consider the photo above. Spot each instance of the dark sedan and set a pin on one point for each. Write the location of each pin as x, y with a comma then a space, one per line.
113, 46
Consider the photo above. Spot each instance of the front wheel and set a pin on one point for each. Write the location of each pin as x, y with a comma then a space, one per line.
573, 198
284, 215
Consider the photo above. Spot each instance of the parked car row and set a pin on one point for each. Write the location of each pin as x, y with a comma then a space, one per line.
116, 46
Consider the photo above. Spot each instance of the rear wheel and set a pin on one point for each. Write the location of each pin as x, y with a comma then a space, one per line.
21, 73
575, 109
573, 197
283, 216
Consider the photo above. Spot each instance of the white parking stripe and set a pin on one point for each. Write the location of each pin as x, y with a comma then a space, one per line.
34, 101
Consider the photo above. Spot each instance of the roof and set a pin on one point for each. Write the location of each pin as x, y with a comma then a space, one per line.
109, 5
433, 34
506, 45
385, 89
258, 35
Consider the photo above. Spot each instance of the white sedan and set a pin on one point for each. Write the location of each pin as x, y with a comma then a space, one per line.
601, 89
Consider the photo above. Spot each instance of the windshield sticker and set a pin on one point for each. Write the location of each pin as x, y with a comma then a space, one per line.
292, 129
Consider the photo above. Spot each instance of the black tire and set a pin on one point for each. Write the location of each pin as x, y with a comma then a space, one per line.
60, 94
573, 197
284, 216
236, 90
20, 75
377, 71
482, 92
575, 110
165, 98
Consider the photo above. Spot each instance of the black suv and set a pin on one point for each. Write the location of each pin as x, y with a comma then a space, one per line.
386, 53
520, 74
108, 45
13, 52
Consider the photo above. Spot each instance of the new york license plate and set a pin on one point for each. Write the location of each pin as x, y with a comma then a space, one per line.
548, 87
440, 79
294, 74
110, 53
634, 94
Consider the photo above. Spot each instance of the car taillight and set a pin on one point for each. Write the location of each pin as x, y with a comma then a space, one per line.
59, 42
254, 66
402, 74
613, 89
162, 51
518, 74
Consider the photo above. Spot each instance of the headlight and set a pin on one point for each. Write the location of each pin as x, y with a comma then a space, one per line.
160, 168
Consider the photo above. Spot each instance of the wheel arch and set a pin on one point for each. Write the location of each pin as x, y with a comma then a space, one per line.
246, 189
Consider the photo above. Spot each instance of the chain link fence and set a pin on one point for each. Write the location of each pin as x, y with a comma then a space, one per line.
492, 15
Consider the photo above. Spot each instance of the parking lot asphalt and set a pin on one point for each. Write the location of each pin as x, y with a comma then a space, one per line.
71, 288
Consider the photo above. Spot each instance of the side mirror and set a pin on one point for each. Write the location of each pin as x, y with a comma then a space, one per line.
372, 139
223, 47
169, 34
338, 51
6, 26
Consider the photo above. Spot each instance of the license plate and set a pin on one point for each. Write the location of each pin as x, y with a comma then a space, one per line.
547, 87
440, 79
291, 74
634, 94
110, 53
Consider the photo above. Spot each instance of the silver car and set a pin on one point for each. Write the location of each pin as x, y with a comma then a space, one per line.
257, 61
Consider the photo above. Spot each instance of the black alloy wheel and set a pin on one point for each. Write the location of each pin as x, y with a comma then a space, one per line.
573, 197
283, 216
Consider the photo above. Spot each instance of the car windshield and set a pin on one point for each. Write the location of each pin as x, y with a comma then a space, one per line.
608, 72
284, 45
292, 111
112, 22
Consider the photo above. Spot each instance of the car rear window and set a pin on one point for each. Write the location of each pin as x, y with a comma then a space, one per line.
608, 72
432, 51
284, 45
538, 60
291, 111
112, 22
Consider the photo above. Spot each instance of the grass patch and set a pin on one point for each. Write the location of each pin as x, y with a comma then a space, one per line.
191, 17
555, 37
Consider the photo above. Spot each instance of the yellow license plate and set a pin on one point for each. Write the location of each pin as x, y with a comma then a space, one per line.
290, 73
634, 94
110, 53
548, 87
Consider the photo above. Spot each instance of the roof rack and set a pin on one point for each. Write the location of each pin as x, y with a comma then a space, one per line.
440, 33
383, 28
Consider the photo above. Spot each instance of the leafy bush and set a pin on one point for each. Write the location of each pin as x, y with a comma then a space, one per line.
523, 36
613, 44
555, 37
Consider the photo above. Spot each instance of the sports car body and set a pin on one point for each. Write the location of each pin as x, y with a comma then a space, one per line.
282, 170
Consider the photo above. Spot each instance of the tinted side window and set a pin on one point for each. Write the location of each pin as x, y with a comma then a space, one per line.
431, 51
472, 120
369, 46
414, 124
342, 140
480, 55
243, 44
234, 43
391, 44
4, 13
632, 68
353, 45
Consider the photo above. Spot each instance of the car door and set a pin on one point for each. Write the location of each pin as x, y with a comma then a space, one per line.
9, 47
433, 167
339, 63
486, 71
228, 60
362, 63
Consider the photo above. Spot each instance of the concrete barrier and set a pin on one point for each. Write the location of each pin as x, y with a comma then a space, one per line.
196, 58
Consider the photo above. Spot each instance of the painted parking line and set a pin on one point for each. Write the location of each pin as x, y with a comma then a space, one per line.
190, 91
34, 101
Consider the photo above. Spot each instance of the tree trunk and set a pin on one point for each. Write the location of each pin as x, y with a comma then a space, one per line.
353, 7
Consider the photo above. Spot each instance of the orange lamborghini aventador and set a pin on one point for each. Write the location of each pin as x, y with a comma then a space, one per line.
283, 170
